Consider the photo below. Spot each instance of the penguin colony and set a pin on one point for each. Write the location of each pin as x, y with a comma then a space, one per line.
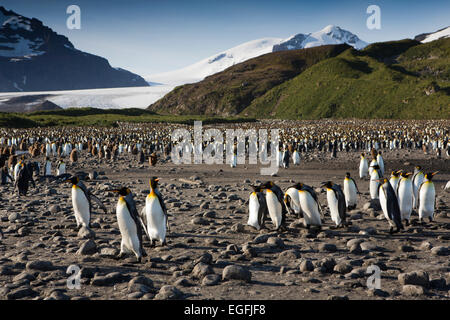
398, 195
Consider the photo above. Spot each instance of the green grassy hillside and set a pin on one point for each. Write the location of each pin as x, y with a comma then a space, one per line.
100, 117
230, 91
403, 79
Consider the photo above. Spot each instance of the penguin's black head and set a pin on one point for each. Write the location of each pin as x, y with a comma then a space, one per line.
376, 167
256, 188
267, 185
430, 175
406, 174
396, 173
297, 186
124, 191
418, 168
74, 180
347, 174
327, 184
154, 182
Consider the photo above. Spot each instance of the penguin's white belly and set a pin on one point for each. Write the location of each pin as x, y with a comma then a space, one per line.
383, 203
350, 193
310, 209
16, 171
394, 184
233, 161
405, 198
416, 184
274, 207
333, 205
48, 169
296, 158
80, 207
156, 220
426, 200
363, 168
61, 169
279, 159
253, 209
381, 164
295, 200
374, 185
127, 228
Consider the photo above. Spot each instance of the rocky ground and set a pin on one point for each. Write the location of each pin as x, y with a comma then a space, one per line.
210, 252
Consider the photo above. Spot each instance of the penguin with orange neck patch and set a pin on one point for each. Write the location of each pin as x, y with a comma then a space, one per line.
275, 204
156, 214
130, 224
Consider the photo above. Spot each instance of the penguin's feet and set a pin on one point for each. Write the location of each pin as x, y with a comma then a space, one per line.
164, 243
152, 244
430, 219
391, 230
120, 255
138, 259
407, 223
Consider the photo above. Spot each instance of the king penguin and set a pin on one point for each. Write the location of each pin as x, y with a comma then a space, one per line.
394, 179
380, 162
292, 200
405, 196
374, 182
296, 158
417, 181
389, 205
48, 167
257, 208
350, 192
61, 167
156, 214
372, 165
309, 205
427, 197
130, 224
336, 203
275, 203
81, 201
363, 167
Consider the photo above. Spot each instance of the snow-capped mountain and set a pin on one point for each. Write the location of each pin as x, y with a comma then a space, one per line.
35, 58
219, 62
428, 37
329, 35
216, 63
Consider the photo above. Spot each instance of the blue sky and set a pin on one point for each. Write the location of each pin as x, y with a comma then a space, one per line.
150, 36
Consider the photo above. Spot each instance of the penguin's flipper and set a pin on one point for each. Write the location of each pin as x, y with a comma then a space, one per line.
356, 186
99, 202
263, 210
393, 207
143, 217
161, 202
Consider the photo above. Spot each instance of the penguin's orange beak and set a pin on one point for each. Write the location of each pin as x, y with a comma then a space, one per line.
434, 173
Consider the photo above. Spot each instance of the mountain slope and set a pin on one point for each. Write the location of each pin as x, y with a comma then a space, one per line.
329, 35
35, 58
216, 63
230, 91
219, 62
428, 37
403, 79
